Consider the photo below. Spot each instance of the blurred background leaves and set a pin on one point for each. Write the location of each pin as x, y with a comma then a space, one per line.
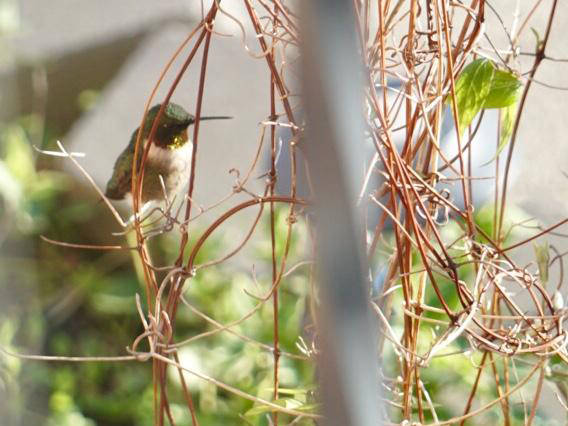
68, 302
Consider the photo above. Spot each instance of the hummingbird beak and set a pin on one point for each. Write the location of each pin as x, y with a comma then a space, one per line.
215, 117
191, 119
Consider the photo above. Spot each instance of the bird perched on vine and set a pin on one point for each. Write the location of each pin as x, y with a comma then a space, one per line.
168, 165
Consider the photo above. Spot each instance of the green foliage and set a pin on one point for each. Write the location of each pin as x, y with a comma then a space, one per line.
472, 90
481, 85
506, 126
542, 253
227, 296
9, 17
88, 99
70, 302
450, 375
26, 194
503, 89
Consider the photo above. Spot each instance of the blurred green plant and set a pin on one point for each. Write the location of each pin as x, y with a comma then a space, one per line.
450, 375
27, 196
69, 302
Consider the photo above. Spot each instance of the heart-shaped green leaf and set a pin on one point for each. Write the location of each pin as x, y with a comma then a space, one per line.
481, 85
472, 89
504, 90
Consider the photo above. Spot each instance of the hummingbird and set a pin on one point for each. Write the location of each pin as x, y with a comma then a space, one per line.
169, 156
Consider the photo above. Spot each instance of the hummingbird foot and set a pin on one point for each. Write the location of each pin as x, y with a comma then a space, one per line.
141, 214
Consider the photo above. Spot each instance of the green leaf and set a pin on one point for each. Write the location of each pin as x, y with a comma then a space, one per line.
11, 189
539, 41
504, 90
296, 391
557, 373
18, 155
482, 86
289, 403
472, 89
542, 259
506, 124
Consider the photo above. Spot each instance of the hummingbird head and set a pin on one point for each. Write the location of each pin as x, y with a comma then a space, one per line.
171, 131
172, 128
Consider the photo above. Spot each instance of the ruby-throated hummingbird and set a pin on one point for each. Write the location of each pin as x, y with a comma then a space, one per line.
169, 156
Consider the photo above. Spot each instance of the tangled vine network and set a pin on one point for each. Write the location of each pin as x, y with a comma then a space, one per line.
443, 287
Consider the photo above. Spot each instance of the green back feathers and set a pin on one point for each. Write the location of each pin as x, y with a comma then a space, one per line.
120, 182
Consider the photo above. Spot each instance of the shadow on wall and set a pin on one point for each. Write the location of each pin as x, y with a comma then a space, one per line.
55, 85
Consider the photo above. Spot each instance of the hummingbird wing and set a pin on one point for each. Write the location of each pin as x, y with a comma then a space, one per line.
120, 182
